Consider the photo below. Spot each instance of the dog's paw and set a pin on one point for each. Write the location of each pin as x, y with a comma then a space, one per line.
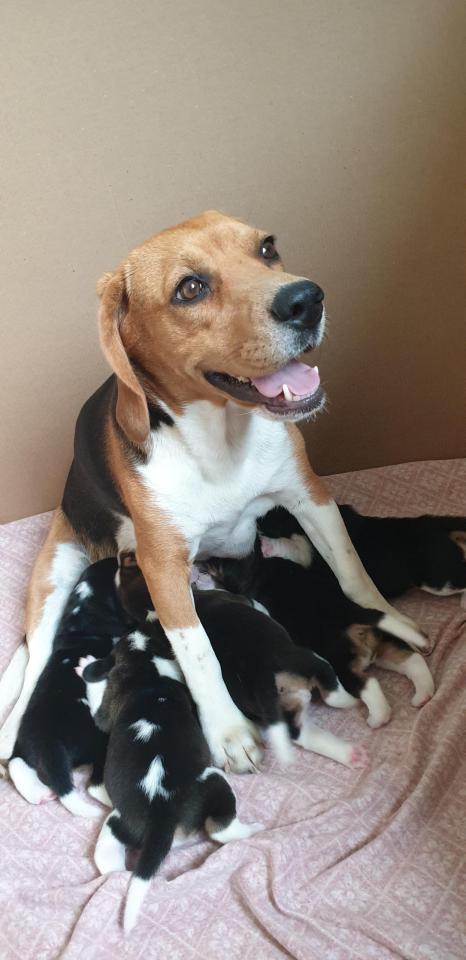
236, 749
83, 663
358, 756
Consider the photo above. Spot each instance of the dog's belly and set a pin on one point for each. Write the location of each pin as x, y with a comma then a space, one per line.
231, 536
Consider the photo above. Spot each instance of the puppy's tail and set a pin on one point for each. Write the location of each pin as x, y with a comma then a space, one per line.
156, 844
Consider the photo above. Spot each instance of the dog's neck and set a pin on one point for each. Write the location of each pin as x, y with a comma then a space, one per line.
230, 432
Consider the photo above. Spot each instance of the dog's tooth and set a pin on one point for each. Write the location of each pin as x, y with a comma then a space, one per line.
287, 392
316, 369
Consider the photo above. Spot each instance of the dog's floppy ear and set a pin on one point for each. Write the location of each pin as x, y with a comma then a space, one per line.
131, 410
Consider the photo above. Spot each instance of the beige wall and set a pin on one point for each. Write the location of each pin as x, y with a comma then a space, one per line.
335, 123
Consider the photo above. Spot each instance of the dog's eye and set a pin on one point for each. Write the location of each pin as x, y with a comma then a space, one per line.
191, 289
268, 250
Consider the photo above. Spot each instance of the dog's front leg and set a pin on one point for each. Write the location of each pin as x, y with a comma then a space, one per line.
308, 499
233, 740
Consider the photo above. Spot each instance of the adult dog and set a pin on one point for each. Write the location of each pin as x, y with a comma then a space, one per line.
189, 441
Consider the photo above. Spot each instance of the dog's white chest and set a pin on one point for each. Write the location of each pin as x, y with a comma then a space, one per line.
214, 473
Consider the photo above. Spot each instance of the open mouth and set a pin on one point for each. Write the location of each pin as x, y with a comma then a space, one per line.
293, 391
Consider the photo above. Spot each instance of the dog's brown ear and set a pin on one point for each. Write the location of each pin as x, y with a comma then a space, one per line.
459, 537
131, 410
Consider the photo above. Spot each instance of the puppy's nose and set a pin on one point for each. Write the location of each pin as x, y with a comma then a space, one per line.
299, 303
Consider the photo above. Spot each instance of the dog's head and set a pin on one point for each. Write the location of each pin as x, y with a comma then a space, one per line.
205, 311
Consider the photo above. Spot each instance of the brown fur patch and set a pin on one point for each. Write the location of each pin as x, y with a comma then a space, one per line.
314, 484
290, 686
39, 585
162, 551
393, 653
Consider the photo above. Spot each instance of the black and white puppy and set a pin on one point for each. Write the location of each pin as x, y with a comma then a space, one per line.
399, 553
158, 776
268, 677
57, 732
299, 590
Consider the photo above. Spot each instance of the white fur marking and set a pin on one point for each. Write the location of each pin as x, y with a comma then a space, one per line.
340, 698
109, 853
260, 606
235, 831
95, 693
27, 782
84, 590
144, 730
68, 563
98, 791
151, 616
78, 805
415, 668
280, 741
377, 704
137, 891
137, 640
151, 784
168, 668
323, 742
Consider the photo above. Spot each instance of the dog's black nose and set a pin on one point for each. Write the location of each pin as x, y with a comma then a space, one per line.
299, 303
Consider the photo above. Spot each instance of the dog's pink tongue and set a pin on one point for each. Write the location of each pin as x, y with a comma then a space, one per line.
301, 380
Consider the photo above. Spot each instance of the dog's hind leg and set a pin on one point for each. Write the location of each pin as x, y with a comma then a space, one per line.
58, 567
401, 659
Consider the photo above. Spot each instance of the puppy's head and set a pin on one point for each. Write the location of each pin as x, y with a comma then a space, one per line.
205, 311
132, 588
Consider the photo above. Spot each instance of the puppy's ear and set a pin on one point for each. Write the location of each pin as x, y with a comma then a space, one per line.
131, 410
459, 537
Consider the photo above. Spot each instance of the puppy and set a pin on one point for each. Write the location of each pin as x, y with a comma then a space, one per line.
57, 732
306, 598
398, 552
157, 772
268, 677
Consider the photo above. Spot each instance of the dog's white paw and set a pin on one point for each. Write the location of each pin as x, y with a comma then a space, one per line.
236, 749
83, 663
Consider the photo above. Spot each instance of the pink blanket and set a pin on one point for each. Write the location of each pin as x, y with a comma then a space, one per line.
353, 864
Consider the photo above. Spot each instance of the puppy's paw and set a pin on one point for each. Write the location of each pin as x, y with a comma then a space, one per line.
268, 546
421, 698
358, 756
83, 663
236, 749
378, 718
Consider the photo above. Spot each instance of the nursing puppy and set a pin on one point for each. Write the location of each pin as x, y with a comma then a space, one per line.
399, 553
157, 772
308, 601
268, 677
57, 732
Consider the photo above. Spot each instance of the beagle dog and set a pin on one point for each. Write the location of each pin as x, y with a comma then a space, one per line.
191, 439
